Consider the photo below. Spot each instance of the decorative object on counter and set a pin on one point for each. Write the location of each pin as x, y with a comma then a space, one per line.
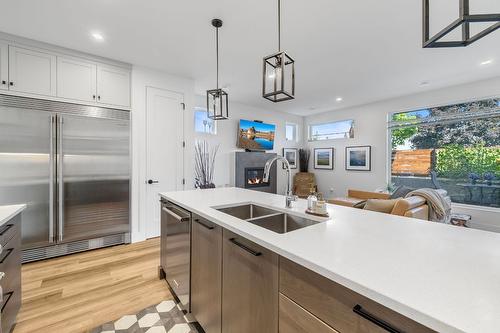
217, 99
312, 199
323, 158
473, 177
489, 177
204, 166
291, 156
278, 77
460, 220
464, 20
358, 158
302, 184
304, 155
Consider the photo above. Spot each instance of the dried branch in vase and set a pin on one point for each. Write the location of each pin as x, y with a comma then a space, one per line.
204, 166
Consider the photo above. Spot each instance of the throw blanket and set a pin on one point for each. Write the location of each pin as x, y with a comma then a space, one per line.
439, 205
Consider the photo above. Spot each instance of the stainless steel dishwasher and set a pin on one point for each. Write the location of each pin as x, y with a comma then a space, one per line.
175, 253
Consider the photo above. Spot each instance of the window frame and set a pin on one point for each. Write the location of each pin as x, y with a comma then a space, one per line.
202, 109
309, 129
295, 132
389, 116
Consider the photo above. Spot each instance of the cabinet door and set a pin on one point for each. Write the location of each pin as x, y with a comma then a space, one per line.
4, 66
113, 86
206, 274
32, 71
76, 79
249, 286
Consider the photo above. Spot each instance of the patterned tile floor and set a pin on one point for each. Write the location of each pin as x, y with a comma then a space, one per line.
166, 317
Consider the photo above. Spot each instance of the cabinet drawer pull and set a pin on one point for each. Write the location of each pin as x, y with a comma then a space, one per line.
244, 247
380, 323
5, 228
8, 252
6, 299
209, 227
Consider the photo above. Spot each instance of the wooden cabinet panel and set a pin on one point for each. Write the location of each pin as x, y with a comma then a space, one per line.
113, 86
206, 274
32, 71
4, 66
334, 304
294, 319
249, 286
76, 79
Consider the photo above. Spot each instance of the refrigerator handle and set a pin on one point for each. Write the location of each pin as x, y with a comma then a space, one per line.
60, 152
51, 179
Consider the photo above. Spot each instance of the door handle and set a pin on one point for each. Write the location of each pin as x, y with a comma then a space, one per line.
380, 323
60, 161
150, 181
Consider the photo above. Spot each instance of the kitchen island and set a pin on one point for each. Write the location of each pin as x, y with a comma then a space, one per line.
443, 277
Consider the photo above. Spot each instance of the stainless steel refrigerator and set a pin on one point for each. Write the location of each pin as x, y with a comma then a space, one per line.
71, 165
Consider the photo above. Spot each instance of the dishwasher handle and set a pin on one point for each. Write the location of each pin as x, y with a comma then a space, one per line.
176, 216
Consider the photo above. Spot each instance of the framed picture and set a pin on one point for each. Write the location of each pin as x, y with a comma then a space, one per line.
358, 158
323, 158
291, 156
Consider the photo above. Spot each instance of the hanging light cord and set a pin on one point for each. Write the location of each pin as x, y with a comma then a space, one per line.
217, 53
279, 25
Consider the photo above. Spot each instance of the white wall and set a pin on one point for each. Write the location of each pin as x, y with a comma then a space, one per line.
226, 137
142, 78
371, 129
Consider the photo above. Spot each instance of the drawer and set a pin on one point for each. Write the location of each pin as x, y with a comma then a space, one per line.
295, 319
10, 265
11, 303
340, 307
9, 229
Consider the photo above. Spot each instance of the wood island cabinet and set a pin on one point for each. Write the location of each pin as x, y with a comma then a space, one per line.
249, 286
206, 274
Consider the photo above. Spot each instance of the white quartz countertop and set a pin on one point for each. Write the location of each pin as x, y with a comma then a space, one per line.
8, 212
444, 277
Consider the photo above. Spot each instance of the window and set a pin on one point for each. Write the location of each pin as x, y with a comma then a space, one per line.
203, 124
335, 130
291, 132
454, 147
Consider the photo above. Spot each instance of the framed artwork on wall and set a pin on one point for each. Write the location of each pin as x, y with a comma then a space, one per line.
291, 156
358, 158
323, 158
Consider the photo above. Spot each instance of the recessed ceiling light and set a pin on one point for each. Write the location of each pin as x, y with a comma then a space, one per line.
486, 62
339, 99
97, 36
424, 83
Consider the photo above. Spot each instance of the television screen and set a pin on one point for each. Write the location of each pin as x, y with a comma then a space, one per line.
253, 135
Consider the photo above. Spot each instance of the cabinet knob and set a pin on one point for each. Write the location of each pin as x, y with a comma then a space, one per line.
4, 82
99, 97
93, 96
11, 83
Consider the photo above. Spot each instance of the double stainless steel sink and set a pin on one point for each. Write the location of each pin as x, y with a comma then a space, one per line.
267, 218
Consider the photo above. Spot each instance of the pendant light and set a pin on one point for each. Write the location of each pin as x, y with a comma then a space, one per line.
464, 20
278, 77
217, 103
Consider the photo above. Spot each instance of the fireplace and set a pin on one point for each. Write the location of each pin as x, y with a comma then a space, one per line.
254, 177
249, 171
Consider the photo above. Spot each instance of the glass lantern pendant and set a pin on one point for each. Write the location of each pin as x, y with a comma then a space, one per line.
217, 99
278, 81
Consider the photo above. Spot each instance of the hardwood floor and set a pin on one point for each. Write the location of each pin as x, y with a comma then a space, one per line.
78, 292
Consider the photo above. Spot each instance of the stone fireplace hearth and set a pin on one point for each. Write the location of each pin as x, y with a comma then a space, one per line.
249, 171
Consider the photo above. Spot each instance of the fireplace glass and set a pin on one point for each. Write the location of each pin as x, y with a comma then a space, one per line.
254, 177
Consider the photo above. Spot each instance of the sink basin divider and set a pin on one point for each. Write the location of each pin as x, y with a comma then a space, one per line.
265, 216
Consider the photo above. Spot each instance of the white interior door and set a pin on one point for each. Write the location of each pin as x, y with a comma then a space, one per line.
165, 156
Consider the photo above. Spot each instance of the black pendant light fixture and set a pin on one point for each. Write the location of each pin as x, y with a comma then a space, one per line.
464, 20
278, 77
217, 103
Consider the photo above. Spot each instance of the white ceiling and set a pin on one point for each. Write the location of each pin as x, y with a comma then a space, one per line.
362, 51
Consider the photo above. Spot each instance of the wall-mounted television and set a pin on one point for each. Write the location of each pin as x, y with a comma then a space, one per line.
256, 135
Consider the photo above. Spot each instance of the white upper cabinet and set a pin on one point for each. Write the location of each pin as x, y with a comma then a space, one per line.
76, 79
4, 66
113, 85
32, 71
